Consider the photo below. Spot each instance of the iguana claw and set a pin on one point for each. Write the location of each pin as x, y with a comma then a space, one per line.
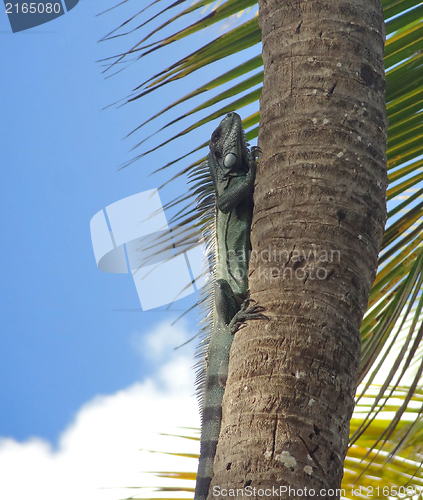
255, 151
246, 313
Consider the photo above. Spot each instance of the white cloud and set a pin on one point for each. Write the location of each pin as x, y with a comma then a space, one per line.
99, 453
162, 341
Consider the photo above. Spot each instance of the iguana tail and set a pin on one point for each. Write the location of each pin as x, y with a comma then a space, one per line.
214, 388
212, 416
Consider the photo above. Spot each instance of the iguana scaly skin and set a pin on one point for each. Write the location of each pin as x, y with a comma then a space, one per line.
229, 172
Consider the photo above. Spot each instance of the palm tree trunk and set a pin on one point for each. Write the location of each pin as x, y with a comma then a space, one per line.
318, 223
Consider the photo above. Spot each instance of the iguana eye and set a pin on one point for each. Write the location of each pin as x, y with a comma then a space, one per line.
230, 159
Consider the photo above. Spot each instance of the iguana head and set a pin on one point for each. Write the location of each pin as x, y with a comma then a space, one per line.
228, 145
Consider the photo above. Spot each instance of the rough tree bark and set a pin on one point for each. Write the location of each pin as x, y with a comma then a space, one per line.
318, 223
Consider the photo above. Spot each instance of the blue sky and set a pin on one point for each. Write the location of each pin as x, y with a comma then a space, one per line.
70, 352
63, 340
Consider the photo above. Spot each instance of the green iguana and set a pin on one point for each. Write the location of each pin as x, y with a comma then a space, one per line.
225, 184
